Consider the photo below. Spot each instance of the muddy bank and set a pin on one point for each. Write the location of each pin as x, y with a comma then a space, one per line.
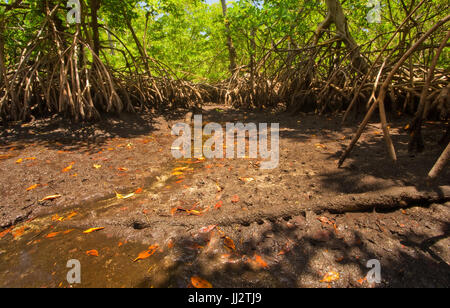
289, 226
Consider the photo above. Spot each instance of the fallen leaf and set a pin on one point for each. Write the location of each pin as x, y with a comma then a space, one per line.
259, 261
19, 161
219, 188
179, 169
207, 229
52, 197
139, 191
18, 232
93, 253
218, 205
122, 169
119, 196
361, 281
229, 243
97, 166
325, 220
68, 168
247, 180
93, 230
148, 253
330, 277
200, 283
194, 212
32, 187
71, 215
3, 233
52, 235
56, 217
235, 199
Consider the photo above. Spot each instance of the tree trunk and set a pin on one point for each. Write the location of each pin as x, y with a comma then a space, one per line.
230, 45
337, 17
2, 53
95, 6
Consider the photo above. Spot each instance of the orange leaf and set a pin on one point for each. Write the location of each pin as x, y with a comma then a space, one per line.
93, 253
93, 230
32, 187
3, 233
51, 235
229, 243
71, 215
330, 277
361, 281
218, 205
19, 232
170, 244
139, 191
148, 253
200, 283
68, 168
259, 260
235, 199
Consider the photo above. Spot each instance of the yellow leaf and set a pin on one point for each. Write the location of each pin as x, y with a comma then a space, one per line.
52, 197
180, 169
71, 215
119, 196
93, 230
67, 169
97, 166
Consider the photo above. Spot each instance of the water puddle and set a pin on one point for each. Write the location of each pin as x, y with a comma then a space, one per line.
35, 253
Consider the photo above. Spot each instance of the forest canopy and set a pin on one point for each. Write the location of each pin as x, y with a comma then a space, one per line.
300, 55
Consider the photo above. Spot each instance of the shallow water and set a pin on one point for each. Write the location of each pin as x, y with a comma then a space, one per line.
35, 253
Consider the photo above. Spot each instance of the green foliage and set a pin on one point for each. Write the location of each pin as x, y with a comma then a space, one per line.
189, 36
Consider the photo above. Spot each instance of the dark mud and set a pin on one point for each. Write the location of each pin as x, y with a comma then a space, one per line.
290, 226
